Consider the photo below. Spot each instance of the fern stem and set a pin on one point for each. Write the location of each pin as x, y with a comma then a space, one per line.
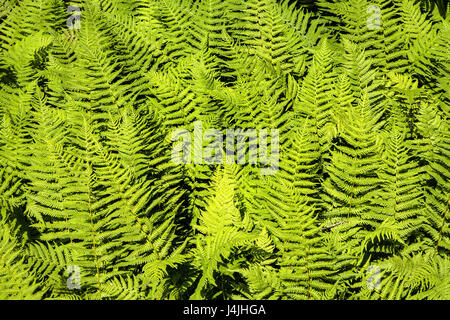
90, 210
309, 275
442, 226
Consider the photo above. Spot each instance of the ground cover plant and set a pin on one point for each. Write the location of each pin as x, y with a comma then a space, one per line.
96, 204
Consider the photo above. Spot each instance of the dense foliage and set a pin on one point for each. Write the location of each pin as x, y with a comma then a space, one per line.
93, 207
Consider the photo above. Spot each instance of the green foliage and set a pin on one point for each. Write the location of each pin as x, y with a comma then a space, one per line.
87, 182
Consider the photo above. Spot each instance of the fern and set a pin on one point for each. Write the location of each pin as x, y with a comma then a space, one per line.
354, 93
